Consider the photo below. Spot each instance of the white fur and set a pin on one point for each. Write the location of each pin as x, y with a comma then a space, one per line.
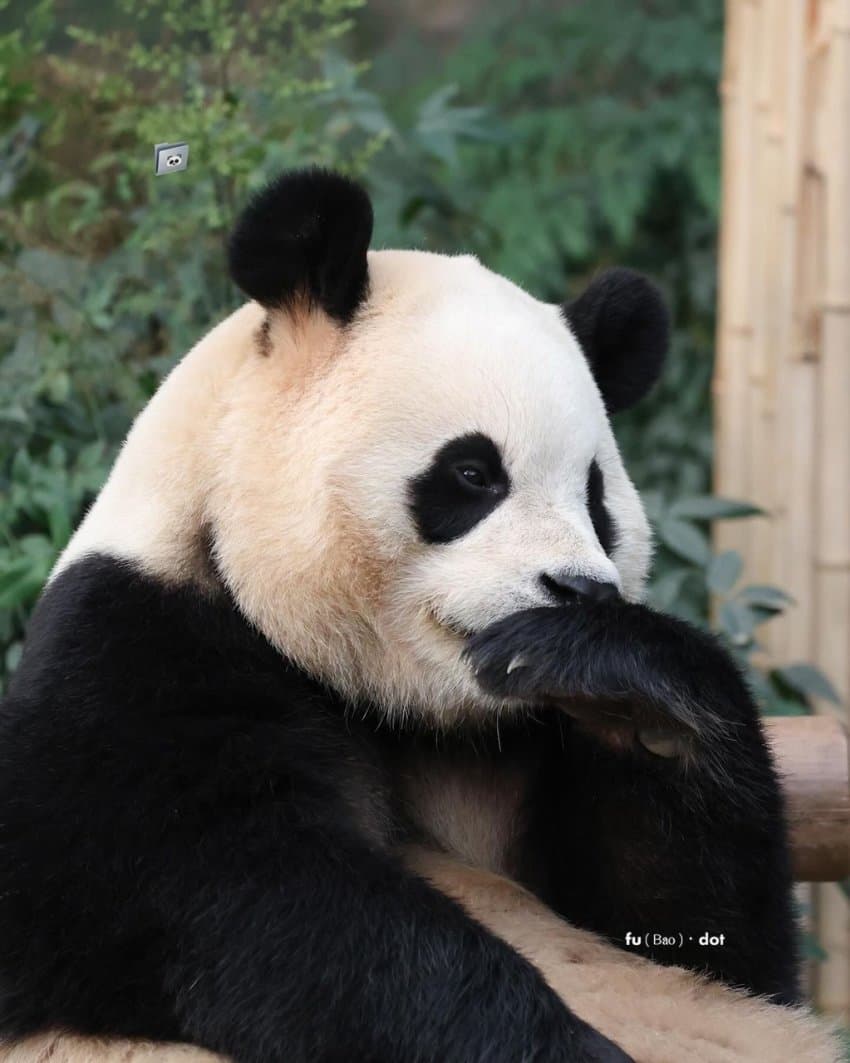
299, 461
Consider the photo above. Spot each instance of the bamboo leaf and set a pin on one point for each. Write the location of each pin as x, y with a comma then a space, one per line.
738, 622
809, 681
765, 596
709, 507
685, 540
723, 571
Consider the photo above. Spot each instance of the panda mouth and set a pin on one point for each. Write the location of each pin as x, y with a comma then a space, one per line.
454, 627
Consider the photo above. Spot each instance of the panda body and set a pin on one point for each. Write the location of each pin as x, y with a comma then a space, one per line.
366, 577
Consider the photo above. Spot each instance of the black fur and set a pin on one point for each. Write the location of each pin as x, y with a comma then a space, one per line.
603, 522
623, 327
304, 237
444, 506
197, 844
643, 843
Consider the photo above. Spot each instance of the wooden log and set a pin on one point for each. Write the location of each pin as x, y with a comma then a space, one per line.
813, 759
658, 1014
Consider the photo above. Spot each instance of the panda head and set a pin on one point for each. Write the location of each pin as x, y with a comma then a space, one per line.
385, 451
418, 448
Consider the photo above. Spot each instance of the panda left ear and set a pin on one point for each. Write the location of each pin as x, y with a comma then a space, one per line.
623, 326
304, 237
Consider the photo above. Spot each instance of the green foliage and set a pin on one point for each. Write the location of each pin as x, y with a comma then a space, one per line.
687, 572
598, 102
111, 273
606, 151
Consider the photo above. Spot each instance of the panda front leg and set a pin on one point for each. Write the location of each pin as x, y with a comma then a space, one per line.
658, 820
337, 952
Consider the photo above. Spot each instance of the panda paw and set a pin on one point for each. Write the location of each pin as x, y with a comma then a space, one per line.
627, 673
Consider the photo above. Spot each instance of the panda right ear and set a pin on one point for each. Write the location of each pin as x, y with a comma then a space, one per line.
304, 237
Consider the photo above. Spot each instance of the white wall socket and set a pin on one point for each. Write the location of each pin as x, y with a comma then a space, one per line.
170, 158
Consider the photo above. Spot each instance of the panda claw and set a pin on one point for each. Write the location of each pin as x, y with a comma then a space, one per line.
516, 662
662, 743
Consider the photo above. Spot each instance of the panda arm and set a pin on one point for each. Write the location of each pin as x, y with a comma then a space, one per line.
345, 954
636, 843
189, 854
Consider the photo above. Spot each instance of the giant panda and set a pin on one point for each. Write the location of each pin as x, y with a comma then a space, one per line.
340, 731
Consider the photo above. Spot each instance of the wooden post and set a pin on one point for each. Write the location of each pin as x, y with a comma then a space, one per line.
782, 379
813, 759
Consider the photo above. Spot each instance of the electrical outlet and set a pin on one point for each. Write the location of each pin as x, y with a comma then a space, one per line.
170, 158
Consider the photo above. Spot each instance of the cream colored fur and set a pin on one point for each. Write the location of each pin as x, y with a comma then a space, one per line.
657, 1014
298, 459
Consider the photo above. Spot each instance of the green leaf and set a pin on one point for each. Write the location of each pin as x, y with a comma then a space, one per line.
737, 622
653, 503
665, 590
809, 681
771, 701
13, 656
59, 522
765, 596
58, 273
24, 590
709, 507
724, 571
685, 540
759, 683
779, 706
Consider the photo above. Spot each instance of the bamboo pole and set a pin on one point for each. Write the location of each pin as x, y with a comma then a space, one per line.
734, 327
798, 435
832, 560
782, 382
793, 460
767, 189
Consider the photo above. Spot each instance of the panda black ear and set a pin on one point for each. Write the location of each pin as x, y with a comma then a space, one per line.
304, 237
623, 326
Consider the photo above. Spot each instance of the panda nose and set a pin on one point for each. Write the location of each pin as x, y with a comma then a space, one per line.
566, 588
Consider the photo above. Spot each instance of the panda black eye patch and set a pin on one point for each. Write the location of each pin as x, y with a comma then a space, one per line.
463, 484
603, 523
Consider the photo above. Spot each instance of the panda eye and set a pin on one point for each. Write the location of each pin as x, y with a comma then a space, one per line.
464, 483
473, 474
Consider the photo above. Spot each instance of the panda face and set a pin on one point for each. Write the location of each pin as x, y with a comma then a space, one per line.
442, 462
482, 466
